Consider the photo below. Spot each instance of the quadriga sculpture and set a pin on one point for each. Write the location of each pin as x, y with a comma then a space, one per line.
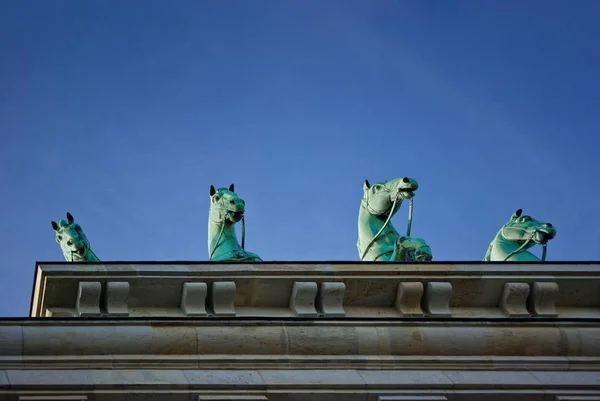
512, 242
73, 241
226, 209
378, 240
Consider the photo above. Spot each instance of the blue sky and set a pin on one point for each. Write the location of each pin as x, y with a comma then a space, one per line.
125, 112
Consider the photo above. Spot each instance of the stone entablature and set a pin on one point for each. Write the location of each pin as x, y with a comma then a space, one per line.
306, 331
317, 290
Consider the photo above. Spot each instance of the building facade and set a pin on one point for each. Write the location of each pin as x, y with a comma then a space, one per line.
306, 331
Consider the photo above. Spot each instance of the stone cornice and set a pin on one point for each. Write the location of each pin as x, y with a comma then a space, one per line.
317, 290
283, 344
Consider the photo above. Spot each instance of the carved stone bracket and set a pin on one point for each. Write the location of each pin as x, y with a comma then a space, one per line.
543, 297
223, 298
437, 298
88, 299
193, 299
513, 300
408, 298
303, 298
330, 299
117, 293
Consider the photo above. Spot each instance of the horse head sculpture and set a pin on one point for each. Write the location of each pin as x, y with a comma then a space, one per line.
73, 241
378, 240
513, 240
227, 209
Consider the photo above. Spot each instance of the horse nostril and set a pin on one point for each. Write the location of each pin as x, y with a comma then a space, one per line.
406, 180
69, 243
243, 203
548, 225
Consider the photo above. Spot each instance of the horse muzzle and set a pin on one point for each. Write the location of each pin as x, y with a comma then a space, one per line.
543, 236
236, 215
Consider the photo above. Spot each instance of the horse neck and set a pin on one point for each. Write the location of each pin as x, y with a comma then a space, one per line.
369, 225
214, 230
507, 246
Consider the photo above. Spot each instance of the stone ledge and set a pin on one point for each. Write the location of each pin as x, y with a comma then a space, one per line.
228, 343
370, 289
278, 380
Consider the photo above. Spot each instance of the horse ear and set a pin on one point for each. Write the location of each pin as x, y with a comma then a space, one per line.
70, 218
212, 190
54, 225
231, 188
366, 185
517, 213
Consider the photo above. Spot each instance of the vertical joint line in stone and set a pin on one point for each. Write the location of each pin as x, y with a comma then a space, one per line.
542, 299
88, 299
408, 298
436, 301
117, 295
330, 299
223, 298
193, 299
513, 300
303, 299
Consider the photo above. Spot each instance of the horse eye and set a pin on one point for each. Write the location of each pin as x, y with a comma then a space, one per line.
59, 238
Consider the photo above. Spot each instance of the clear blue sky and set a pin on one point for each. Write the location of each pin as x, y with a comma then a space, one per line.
125, 112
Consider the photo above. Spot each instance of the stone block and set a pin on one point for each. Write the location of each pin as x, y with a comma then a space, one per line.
513, 300
11, 341
225, 397
330, 299
437, 299
542, 300
60, 312
225, 379
117, 293
53, 398
313, 379
303, 298
193, 299
223, 298
412, 398
88, 299
408, 298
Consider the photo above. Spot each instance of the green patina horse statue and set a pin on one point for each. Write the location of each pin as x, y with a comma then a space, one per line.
377, 238
516, 237
227, 209
73, 241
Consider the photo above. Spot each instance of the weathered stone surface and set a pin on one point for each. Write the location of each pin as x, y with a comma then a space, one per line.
11, 339
224, 379
314, 379
513, 300
77, 339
